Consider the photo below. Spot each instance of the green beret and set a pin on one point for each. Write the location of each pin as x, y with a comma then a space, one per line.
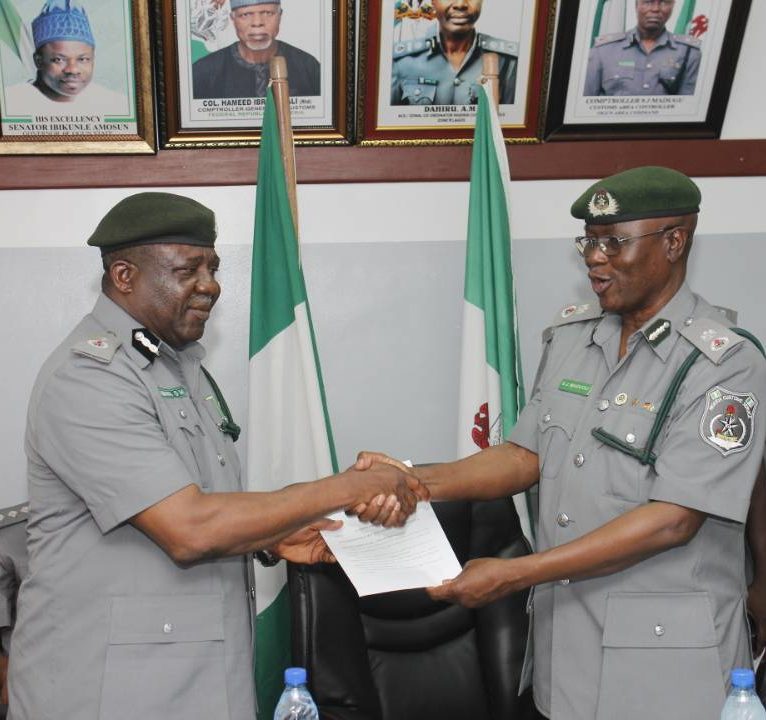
152, 218
643, 192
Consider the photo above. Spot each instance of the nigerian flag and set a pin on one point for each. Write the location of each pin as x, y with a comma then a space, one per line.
15, 35
491, 386
685, 17
289, 437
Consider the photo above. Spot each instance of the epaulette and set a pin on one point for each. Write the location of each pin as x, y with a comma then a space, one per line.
100, 347
729, 315
14, 514
712, 338
412, 47
604, 39
689, 40
572, 314
493, 44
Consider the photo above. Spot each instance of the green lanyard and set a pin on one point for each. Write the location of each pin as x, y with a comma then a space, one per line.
645, 455
227, 425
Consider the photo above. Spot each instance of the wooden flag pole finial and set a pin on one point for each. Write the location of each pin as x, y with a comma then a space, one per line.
281, 88
490, 69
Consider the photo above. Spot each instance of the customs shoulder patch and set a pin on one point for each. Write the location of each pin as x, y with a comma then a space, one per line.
728, 418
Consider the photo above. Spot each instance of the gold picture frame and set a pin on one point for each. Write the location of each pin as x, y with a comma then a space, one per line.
321, 32
112, 111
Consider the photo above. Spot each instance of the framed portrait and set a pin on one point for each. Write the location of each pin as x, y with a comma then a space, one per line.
214, 69
421, 65
75, 77
644, 68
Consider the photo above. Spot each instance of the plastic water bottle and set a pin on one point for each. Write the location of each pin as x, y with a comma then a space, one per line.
296, 702
742, 703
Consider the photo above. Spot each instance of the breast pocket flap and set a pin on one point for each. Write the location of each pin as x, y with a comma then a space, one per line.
166, 619
657, 620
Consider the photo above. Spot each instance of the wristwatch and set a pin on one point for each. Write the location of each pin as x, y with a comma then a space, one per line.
267, 558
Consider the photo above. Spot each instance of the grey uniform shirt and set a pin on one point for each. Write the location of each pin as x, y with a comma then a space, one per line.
422, 75
618, 65
108, 626
656, 640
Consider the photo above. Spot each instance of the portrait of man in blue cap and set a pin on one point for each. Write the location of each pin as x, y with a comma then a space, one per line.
64, 58
242, 68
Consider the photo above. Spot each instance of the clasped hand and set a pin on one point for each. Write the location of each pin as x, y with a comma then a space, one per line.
389, 491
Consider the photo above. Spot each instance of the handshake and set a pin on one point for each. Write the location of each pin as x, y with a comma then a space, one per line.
386, 490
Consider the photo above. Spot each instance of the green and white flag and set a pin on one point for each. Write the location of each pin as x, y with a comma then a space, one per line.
609, 18
684, 18
491, 385
289, 436
15, 35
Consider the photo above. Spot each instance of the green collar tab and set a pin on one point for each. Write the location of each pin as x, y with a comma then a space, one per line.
657, 331
576, 387
173, 392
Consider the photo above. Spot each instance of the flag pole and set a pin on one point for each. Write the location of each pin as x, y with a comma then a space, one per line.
490, 69
279, 84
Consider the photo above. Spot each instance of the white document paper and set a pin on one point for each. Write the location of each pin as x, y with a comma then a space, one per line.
378, 559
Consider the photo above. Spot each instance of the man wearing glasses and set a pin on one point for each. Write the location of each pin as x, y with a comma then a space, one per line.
645, 60
645, 431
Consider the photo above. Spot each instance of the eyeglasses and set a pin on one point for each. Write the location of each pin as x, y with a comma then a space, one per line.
611, 244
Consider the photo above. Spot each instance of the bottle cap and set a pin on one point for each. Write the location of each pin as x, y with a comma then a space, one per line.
295, 676
742, 678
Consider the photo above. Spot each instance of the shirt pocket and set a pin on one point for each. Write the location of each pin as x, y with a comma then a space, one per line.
556, 424
418, 93
668, 78
187, 438
625, 477
620, 80
660, 657
165, 658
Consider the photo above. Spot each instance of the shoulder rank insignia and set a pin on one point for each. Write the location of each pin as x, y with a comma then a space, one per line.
689, 40
15, 514
100, 347
572, 314
493, 44
711, 337
411, 47
610, 38
727, 420
577, 313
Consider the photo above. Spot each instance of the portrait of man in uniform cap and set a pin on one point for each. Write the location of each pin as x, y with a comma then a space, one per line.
444, 67
647, 59
241, 69
65, 60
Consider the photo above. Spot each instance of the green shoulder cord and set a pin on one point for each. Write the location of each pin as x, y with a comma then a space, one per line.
645, 455
227, 425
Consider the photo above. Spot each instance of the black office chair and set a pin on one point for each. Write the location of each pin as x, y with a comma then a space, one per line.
401, 656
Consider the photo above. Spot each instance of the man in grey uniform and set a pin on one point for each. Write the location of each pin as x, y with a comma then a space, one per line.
13, 568
639, 583
445, 68
646, 60
136, 604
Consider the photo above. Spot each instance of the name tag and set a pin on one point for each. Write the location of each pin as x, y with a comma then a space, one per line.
173, 392
576, 387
